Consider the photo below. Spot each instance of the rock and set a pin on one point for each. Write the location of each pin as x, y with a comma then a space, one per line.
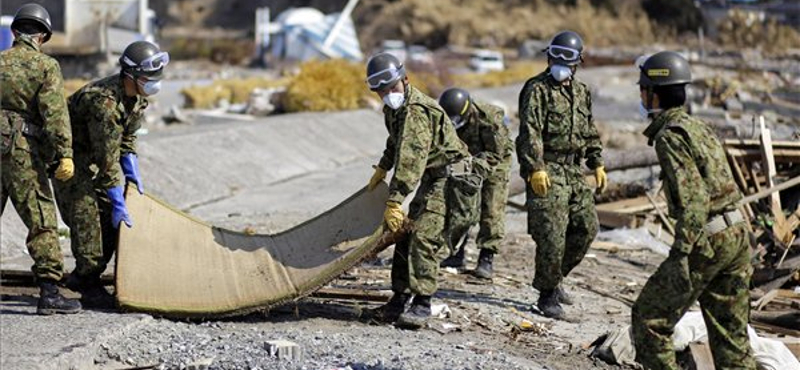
202, 364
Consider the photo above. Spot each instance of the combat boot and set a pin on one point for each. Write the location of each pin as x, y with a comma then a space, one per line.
96, 296
389, 312
93, 294
52, 302
484, 269
563, 296
456, 260
548, 304
417, 316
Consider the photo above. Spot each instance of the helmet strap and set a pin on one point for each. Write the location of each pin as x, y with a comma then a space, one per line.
650, 95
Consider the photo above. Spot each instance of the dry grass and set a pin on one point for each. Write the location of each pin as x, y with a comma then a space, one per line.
72, 85
233, 90
517, 72
498, 23
219, 50
743, 30
328, 85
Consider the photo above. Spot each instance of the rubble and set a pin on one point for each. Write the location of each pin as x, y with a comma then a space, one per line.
284, 350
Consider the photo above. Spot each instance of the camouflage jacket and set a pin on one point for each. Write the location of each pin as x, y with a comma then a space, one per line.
697, 180
421, 137
555, 118
487, 137
32, 86
104, 125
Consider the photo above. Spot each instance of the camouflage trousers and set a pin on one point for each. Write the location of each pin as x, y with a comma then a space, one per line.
718, 275
24, 178
487, 208
563, 224
415, 266
86, 209
494, 195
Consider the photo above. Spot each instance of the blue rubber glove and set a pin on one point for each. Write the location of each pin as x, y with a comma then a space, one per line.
119, 212
130, 167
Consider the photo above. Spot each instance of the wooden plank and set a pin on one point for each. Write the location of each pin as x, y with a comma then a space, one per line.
768, 166
767, 192
664, 220
26, 278
740, 180
789, 319
780, 155
751, 143
701, 354
632, 205
763, 301
774, 329
738, 175
616, 219
786, 293
352, 294
756, 180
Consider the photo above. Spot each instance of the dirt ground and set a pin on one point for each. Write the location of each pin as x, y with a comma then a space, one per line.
332, 333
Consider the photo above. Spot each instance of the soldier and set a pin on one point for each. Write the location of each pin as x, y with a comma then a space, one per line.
35, 135
557, 132
423, 148
483, 128
105, 117
710, 258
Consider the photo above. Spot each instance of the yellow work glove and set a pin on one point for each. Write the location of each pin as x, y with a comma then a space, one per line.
377, 177
65, 170
393, 216
540, 182
601, 179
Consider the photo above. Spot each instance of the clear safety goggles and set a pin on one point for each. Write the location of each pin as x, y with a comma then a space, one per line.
152, 64
385, 77
458, 121
563, 52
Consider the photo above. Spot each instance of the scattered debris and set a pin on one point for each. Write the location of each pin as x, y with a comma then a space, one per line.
284, 350
441, 311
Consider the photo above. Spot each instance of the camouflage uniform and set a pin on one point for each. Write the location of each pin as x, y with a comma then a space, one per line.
33, 91
487, 138
557, 132
712, 268
104, 124
421, 143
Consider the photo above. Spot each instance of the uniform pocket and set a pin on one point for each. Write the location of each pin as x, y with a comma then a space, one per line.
10, 124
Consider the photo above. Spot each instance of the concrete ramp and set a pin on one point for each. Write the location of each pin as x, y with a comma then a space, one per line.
174, 265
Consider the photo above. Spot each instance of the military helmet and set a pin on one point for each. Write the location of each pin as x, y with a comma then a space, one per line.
143, 58
384, 70
455, 102
566, 47
665, 68
34, 13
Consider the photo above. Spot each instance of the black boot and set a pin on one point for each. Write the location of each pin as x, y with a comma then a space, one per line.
93, 293
456, 260
52, 302
417, 316
563, 296
484, 269
389, 312
548, 304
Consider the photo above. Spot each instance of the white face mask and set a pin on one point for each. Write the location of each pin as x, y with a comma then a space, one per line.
647, 113
151, 87
560, 73
394, 100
